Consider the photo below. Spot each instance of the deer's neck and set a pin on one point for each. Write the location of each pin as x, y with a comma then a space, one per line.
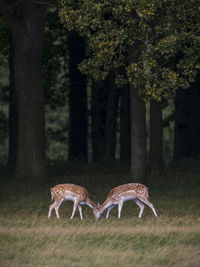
90, 203
104, 206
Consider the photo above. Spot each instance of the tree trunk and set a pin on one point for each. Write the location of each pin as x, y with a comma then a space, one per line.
138, 128
77, 102
181, 134
111, 119
138, 137
13, 118
98, 114
27, 24
125, 154
187, 126
194, 119
156, 145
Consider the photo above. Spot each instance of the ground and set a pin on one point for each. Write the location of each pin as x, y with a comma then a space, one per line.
29, 238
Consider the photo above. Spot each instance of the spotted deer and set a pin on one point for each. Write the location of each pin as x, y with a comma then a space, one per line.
75, 193
118, 195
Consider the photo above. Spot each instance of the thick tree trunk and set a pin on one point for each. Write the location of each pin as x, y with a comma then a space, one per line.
111, 119
187, 126
98, 115
27, 24
156, 145
138, 137
181, 134
138, 128
77, 102
125, 154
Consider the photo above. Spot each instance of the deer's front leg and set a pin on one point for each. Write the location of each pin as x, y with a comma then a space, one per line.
108, 211
120, 205
76, 202
80, 211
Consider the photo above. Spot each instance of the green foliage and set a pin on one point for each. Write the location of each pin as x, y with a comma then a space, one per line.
165, 37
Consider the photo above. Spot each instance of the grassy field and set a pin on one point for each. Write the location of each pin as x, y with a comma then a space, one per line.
28, 238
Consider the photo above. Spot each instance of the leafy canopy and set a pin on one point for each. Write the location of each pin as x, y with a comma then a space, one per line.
152, 44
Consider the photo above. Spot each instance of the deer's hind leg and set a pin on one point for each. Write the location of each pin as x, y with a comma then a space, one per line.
57, 206
148, 203
51, 207
140, 205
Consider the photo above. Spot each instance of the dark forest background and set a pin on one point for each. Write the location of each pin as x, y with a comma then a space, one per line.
99, 93
53, 115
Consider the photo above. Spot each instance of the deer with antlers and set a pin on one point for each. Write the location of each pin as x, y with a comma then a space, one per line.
118, 195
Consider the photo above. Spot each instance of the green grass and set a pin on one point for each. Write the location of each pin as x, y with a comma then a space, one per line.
28, 238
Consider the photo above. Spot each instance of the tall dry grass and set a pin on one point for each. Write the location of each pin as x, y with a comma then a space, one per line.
28, 238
